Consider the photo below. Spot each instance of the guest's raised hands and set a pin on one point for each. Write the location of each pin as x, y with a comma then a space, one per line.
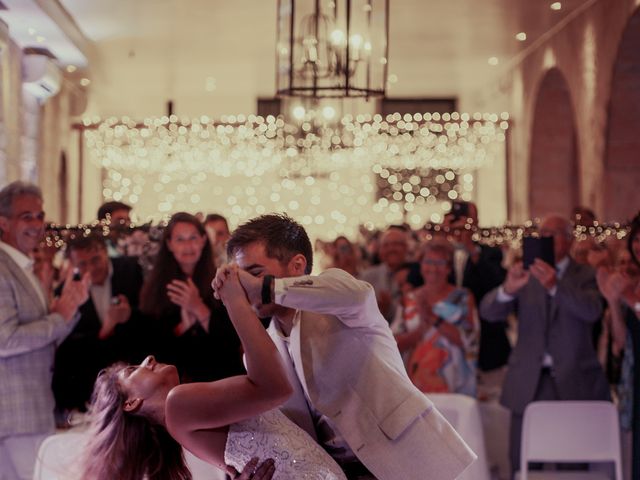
517, 277
544, 273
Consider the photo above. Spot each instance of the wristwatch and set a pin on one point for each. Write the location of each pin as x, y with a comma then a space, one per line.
267, 289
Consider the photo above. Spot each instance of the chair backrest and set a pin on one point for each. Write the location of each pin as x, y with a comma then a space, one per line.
59, 457
570, 431
463, 413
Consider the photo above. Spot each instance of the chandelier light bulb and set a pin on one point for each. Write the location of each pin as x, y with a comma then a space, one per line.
337, 37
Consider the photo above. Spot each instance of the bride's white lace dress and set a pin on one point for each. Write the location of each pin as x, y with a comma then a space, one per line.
272, 435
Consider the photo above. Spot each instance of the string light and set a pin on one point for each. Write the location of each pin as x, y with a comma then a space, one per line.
167, 164
57, 235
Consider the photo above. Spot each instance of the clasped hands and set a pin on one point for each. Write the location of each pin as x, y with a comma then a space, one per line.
232, 283
517, 276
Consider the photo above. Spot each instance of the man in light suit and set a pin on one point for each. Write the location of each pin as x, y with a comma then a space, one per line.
554, 358
29, 331
351, 391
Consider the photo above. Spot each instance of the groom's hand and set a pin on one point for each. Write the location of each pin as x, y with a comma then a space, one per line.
252, 471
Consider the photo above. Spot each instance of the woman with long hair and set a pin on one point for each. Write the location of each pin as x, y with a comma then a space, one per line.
141, 415
187, 326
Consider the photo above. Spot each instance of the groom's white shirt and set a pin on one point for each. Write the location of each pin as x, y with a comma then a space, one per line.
342, 353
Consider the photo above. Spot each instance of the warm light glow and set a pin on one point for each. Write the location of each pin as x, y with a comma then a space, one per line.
71, 68
329, 112
210, 84
85, 82
338, 37
522, 36
493, 61
298, 112
556, 6
364, 169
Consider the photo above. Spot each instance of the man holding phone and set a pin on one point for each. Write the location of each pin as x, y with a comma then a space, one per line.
556, 305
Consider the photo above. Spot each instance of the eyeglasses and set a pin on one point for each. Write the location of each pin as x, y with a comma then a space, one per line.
435, 263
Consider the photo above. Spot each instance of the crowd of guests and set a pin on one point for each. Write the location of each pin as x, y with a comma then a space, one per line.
567, 330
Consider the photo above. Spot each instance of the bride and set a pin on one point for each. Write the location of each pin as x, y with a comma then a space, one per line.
142, 417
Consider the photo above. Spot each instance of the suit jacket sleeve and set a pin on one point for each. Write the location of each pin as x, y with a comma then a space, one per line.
579, 294
333, 292
17, 337
493, 310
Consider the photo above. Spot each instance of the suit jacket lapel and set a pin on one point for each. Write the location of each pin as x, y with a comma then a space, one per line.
25, 282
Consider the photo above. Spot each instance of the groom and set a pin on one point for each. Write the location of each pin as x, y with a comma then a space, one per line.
351, 392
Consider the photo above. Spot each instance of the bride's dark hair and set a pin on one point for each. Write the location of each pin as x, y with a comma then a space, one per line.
125, 445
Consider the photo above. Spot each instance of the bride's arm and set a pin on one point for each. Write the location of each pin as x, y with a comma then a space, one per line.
197, 406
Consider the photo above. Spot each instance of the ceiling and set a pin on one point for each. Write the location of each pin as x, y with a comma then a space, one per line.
217, 56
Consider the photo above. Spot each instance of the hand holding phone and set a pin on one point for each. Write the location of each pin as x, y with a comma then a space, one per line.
533, 247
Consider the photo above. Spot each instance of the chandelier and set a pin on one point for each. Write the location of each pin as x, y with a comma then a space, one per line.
332, 48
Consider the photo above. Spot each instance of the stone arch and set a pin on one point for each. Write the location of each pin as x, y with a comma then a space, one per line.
553, 175
622, 153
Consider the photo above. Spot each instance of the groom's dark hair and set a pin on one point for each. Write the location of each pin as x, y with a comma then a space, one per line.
281, 235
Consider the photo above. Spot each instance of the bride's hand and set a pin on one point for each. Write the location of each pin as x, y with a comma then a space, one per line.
228, 286
221, 276
262, 472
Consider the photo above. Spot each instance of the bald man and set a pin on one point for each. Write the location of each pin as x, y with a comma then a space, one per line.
394, 246
557, 305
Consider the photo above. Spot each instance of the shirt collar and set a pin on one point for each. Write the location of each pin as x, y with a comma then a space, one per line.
562, 265
17, 256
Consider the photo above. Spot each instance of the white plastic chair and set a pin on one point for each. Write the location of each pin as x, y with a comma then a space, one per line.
570, 431
59, 455
463, 413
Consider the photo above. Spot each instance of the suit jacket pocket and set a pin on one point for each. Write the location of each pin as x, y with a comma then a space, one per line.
404, 415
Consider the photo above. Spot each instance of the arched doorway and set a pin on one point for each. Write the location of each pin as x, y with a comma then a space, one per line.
622, 157
553, 176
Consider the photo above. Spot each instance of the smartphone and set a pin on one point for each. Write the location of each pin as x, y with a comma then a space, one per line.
537, 247
76, 275
459, 209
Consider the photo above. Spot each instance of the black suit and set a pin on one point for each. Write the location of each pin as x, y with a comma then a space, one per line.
481, 277
82, 355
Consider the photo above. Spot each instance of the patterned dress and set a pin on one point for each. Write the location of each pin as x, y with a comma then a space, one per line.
435, 364
272, 435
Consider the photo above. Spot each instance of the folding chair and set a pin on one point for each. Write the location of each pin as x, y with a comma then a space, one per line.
463, 413
571, 432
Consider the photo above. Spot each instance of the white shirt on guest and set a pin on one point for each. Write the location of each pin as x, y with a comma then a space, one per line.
101, 295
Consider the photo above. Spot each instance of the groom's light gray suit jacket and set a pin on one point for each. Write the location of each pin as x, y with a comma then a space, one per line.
345, 354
